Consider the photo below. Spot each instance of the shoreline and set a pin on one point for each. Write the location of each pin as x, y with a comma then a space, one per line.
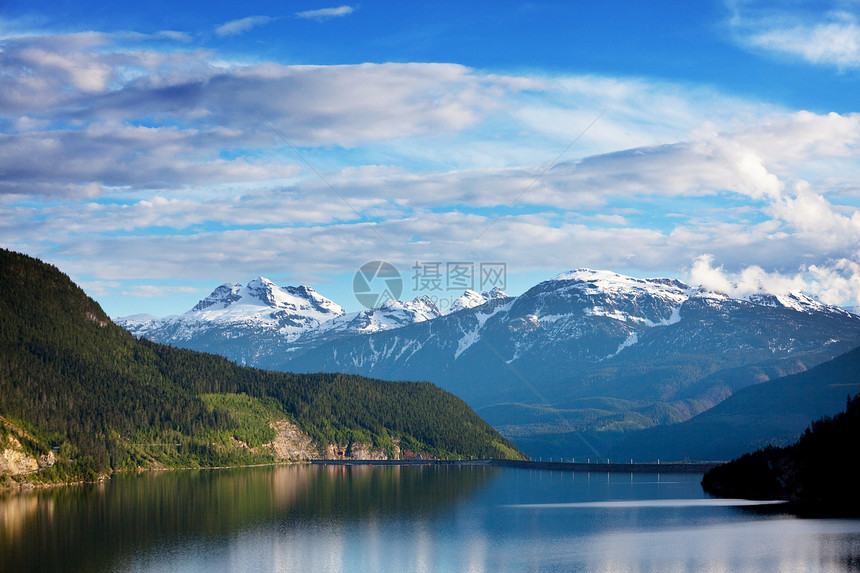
679, 467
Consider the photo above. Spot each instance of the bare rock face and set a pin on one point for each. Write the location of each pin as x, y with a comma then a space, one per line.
356, 451
13, 460
291, 444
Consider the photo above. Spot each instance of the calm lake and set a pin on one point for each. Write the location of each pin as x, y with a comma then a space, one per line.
411, 518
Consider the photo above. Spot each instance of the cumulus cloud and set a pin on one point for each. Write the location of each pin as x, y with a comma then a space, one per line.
749, 280
812, 214
833, 282
160, 163
837, 282
242, 25
87, 111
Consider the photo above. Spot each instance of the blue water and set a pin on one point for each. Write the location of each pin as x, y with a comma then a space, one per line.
423, 519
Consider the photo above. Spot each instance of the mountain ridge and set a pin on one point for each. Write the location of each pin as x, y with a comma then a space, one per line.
586, 351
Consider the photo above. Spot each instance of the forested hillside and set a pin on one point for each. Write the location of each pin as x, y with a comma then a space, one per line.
73, 381
819, 472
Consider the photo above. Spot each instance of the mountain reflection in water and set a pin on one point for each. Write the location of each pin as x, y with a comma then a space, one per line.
412, 518
94, 527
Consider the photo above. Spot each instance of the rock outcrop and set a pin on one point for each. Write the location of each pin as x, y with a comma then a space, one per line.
14, 460
292, 444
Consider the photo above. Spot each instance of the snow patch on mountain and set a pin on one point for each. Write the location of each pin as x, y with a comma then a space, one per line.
674, 318
609, 282
137, 321
392, 314
473, 335
628, 342
793, 300
469, 338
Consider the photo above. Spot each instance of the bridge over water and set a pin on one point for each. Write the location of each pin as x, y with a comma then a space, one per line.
541, 465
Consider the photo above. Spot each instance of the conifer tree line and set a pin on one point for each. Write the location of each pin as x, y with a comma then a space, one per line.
819, 471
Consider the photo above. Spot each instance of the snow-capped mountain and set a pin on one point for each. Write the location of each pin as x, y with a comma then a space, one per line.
290, 310
585, 351
256, 319
592, 350
471, 299
584, 319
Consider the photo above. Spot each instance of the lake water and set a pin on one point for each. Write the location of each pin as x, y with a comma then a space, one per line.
412, 518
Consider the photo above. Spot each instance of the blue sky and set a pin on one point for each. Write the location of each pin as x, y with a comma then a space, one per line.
153, 151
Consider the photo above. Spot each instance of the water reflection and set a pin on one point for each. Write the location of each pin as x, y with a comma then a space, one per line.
96, 527
389, 518
780, 545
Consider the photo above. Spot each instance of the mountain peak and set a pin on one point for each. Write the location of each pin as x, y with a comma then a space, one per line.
420, 306
471, 299
231, 309
609, 281
263, 289
221, 297
495, 292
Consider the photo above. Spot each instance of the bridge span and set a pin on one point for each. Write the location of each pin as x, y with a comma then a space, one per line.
655, 467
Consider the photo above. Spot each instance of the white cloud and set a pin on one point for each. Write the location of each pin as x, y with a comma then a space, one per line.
159, 164
837, 282
175, 35
242, 25
829, 37
835, 42
149, 291
749, 280
813, 217
325, 13
99, 288
833, 282
703, 273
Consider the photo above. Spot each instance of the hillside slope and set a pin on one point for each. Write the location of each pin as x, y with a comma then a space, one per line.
771, 413
72, 380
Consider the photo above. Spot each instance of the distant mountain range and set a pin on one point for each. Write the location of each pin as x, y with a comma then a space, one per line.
254, 324
566, 369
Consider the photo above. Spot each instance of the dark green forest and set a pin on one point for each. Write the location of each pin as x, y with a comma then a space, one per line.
72, 380
818, 473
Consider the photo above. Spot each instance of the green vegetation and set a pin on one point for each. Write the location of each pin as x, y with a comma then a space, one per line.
818, 472
251, 418
73, 380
